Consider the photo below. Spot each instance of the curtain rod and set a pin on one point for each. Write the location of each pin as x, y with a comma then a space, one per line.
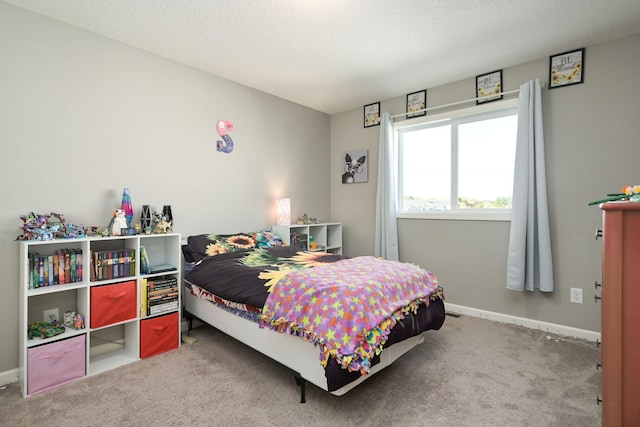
454, 103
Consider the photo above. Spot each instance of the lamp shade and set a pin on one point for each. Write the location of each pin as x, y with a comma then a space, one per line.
283, 211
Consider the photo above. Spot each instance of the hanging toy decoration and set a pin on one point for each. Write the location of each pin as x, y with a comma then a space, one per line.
226, 145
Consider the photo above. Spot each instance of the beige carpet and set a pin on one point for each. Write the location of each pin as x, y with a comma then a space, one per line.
473, 372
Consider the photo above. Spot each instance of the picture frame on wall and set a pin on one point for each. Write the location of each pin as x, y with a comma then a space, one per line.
355, 166
566, 68
416, 104
372, 114
489, 87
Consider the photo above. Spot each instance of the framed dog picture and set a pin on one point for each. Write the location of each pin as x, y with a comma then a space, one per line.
355, 166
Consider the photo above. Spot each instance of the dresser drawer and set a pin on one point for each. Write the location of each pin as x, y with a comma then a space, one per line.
54, 364
158, 335
113, 303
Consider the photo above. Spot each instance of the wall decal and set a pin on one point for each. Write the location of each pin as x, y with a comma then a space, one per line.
226, 145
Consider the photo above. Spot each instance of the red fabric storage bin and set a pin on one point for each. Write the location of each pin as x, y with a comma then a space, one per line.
158, 335
113, 303
54, 364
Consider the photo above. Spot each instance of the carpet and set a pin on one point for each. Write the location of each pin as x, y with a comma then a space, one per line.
473, 372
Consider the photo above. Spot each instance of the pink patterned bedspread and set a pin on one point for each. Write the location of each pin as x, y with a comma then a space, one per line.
348, 307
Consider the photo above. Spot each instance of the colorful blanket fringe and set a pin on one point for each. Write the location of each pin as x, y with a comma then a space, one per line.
348, 308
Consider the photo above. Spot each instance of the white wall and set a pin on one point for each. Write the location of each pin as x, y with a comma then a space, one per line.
591, 148
82, 117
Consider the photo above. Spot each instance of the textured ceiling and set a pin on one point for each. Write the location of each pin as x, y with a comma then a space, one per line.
336, 55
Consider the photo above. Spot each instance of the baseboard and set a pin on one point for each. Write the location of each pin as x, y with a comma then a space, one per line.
8, 377
553, 328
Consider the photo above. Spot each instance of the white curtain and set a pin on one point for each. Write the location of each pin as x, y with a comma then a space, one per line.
386, 226
529, 264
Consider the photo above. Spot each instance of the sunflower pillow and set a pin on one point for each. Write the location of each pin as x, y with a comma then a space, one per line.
204, 245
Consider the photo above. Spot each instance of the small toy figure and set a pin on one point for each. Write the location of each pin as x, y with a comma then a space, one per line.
118, 222
160, 224
163, 227
68, 317
78, 321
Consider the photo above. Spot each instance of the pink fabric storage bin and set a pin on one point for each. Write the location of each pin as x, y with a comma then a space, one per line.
54, 364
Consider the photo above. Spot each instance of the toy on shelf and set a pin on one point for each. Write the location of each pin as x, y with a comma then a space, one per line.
73, 320
146, 219
160, 224
168, 215
51, 226
126, 207
118, 223
45, 329
305, 220
312, 243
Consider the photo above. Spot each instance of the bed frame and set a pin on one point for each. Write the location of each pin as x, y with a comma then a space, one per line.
291, 351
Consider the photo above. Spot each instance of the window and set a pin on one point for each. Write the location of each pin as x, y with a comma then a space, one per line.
458, 165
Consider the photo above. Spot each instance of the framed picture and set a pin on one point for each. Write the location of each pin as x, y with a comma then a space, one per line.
566, 68
355, 166
372, 115
416, 101
489, 87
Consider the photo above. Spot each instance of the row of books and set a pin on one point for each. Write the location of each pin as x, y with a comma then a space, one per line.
117, 264
158, 295
65, 266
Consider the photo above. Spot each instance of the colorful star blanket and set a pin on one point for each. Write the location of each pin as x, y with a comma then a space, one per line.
348, 307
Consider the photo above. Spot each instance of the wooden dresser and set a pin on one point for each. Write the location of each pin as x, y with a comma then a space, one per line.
620, 330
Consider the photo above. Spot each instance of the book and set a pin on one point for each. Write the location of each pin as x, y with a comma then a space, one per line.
61, 258
115, 260
72, 267
41, 271
67, 267
92, 267
34, 276
79, 266
160, 268
145, 267
163, 308
143, 297
132, 262
56, 276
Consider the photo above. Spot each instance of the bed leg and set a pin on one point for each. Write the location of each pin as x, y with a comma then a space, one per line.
301, 382
189, 318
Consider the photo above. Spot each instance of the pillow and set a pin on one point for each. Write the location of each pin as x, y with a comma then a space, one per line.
204, 245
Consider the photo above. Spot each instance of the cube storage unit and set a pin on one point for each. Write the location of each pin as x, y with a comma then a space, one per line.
61, 276
326, 236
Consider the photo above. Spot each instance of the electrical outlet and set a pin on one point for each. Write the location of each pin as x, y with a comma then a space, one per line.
52, 314
576, 295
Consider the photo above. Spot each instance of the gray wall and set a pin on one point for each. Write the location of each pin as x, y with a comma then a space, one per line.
82, 117
592, 148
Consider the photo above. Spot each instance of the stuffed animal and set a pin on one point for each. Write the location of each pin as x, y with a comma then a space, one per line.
118, 223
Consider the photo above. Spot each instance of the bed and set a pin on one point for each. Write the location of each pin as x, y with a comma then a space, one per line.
333, 320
